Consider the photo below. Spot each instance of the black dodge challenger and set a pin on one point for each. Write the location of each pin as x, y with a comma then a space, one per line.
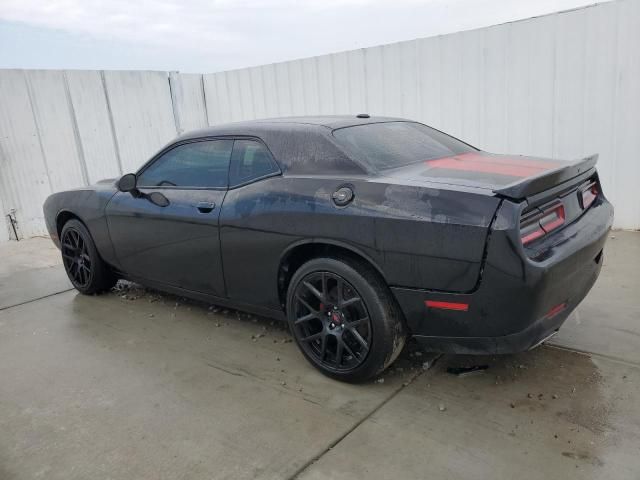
357, 231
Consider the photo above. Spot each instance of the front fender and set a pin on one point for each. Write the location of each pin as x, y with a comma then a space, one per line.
88, 205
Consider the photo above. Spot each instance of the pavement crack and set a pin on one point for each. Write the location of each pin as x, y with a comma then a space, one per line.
230, 372
611, 358
34, 299
238, 372
339, 439
312, 401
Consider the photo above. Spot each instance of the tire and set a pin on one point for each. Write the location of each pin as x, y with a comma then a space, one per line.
366, 313
85, 269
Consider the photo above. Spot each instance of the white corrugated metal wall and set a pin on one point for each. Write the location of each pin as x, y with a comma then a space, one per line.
563, 85
64, 129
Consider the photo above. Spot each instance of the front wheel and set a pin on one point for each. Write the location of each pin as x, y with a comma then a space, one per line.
85, 269
344, 318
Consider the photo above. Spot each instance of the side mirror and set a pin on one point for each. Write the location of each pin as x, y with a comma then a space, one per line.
127, 183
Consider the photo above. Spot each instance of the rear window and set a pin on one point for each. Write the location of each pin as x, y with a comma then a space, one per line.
395, 144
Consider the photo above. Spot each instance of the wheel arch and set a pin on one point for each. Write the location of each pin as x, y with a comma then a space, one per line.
64, 216
302, 251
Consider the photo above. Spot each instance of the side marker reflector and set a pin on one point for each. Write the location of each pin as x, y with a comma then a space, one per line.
462, 307
556, 310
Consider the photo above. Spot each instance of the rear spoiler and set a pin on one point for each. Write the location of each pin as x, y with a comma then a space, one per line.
536, 184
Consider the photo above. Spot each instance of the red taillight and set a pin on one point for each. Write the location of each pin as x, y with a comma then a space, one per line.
588, 195
552, 219
531, 232
537, 225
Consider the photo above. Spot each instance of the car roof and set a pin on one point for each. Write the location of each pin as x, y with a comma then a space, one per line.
253, 127
300, 145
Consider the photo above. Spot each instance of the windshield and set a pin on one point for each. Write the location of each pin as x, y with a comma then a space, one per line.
395, 144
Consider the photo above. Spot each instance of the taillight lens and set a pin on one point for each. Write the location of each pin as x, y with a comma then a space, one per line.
531, 230
538, 224
589, 194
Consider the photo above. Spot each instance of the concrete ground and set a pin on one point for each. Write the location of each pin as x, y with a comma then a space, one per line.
30, 269
137, 384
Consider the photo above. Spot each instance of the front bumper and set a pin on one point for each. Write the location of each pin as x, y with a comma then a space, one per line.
50, 220
522, 297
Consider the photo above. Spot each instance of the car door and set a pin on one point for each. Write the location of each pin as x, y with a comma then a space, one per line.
176, 244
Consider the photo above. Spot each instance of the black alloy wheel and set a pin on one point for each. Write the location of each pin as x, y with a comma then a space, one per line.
332, 322
344, 318
75, 255
85, 268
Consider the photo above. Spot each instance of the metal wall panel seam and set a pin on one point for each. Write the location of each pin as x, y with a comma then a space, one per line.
253, 95
305, 99
176, 116
334, 71
584, 90
111, 122
317, 87
230, 99
554, 117
258, 71
76, 131
614, 112
264, 90
365, 87
38, 128
204, 99
418, 75
291, 102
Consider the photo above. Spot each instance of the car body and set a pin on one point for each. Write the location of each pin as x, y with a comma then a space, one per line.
481, 253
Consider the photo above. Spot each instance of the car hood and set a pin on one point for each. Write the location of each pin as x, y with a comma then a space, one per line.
477, 169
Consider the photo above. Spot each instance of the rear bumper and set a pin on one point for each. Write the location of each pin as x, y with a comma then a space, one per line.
523, 296
529, 337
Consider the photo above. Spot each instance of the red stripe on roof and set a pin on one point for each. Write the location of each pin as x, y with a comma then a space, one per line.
509, 160
472, 163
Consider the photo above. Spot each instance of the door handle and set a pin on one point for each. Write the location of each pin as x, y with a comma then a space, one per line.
205, 207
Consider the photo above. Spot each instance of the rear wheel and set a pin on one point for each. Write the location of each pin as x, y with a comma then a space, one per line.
85, 269
344, 318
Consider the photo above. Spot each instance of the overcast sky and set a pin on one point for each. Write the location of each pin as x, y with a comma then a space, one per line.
214, 35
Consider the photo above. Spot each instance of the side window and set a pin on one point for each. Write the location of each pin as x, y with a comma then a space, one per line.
196, 164
250, 160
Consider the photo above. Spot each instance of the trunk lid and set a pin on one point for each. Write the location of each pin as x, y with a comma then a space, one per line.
511, 176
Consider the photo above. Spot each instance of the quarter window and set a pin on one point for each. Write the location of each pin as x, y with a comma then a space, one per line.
202, 164
250, 160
